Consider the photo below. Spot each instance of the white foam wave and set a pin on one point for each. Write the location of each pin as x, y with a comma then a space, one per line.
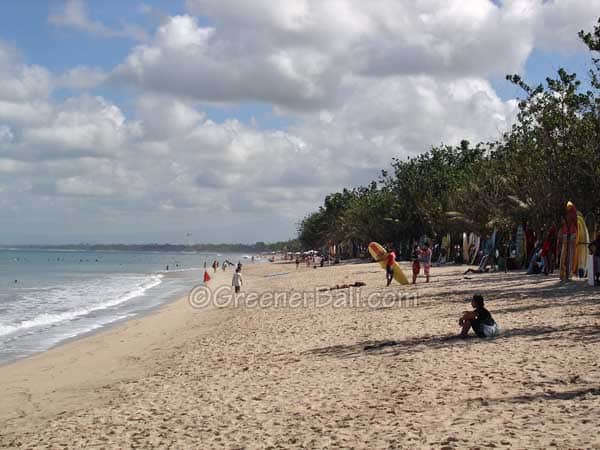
52, 319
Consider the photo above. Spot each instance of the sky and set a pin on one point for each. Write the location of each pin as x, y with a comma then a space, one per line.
130, 121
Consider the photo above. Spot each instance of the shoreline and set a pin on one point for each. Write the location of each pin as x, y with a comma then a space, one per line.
320, 375
103, 346
164, 298
101, 329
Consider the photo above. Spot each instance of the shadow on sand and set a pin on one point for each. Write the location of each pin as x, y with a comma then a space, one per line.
587, 334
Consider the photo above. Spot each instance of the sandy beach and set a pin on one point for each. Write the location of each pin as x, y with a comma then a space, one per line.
383, 370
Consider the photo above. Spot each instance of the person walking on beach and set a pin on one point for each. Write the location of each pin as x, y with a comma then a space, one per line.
297, 262
237, 280
390, 260
215, 264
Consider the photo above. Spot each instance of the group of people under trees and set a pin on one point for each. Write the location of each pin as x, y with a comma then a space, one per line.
558, 244
545, 251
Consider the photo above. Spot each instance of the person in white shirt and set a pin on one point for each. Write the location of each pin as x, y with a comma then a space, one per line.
237, 280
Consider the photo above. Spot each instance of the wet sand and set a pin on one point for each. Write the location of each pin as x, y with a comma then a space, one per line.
385, 370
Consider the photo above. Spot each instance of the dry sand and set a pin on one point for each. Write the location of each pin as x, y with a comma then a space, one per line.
321, 375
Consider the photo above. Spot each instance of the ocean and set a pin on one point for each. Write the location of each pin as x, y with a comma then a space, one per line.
47, 297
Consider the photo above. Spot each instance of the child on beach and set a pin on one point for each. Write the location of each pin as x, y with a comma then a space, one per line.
421, 257
237, 280
479, 319
416, 265
425, 257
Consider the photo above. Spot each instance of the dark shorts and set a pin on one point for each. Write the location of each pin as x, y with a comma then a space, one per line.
237, 289
477, 326
390, 270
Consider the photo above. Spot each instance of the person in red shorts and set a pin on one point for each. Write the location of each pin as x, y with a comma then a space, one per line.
389, 266
416, 265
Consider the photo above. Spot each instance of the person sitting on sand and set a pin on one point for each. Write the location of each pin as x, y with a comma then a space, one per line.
483, 266
536, 265
479, 319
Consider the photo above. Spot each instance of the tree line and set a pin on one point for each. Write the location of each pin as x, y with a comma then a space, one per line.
258, 247
550, 155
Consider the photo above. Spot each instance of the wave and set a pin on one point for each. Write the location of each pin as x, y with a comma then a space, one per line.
189, 269
53, 319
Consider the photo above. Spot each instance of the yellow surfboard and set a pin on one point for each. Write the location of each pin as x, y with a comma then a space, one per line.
379, 254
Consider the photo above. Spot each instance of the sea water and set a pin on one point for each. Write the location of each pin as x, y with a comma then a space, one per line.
47, 297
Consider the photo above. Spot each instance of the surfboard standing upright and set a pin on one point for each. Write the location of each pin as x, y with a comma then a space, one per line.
379, 254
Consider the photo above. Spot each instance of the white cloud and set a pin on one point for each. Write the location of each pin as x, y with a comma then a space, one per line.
82, 77
216, 70
166, 117
297, 54
360, 82
557, 22
19, 81
74, 14
24, 89
80, 126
